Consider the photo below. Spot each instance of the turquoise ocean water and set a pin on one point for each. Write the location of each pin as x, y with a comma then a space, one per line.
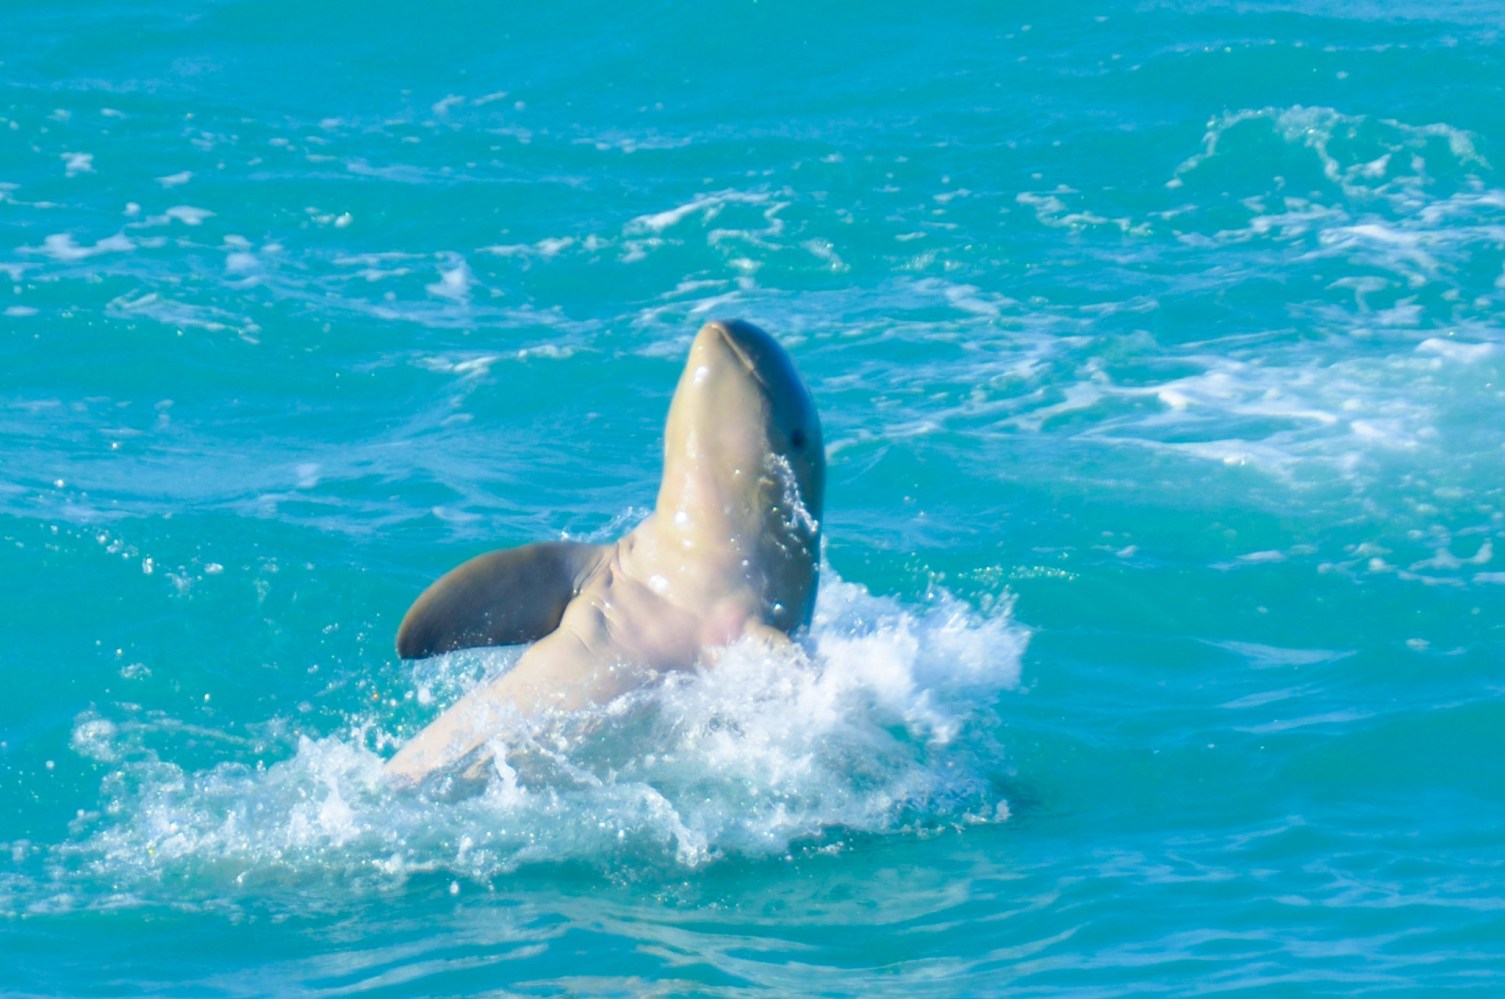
1160, 355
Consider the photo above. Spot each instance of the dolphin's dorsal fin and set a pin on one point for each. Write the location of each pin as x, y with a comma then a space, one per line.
500, 598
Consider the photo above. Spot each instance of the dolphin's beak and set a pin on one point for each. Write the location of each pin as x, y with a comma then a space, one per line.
737, 347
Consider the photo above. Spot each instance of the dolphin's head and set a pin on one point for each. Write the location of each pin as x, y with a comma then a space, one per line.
745, 463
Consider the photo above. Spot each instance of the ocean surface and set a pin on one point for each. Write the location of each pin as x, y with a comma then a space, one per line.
1160, 353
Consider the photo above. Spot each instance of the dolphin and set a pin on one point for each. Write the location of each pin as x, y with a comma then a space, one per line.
730, 552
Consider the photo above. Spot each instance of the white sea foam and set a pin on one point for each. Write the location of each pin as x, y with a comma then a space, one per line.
188, 214
881, 722
1461, 352
1385, 208
77, 163
62, 247
634, 143
707, 206
241, 263
544, 248
455, 280
183, 315
822, 250
1322, 128
1294, 410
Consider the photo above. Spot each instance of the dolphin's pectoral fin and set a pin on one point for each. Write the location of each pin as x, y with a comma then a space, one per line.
500, 598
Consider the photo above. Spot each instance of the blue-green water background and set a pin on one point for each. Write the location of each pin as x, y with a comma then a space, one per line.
1159, 352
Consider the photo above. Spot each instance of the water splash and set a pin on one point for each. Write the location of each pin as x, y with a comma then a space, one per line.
880, 722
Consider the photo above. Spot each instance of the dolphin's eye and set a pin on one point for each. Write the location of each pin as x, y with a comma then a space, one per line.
797, 439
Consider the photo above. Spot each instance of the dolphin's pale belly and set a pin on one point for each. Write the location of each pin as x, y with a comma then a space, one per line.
624, 621
671, 619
